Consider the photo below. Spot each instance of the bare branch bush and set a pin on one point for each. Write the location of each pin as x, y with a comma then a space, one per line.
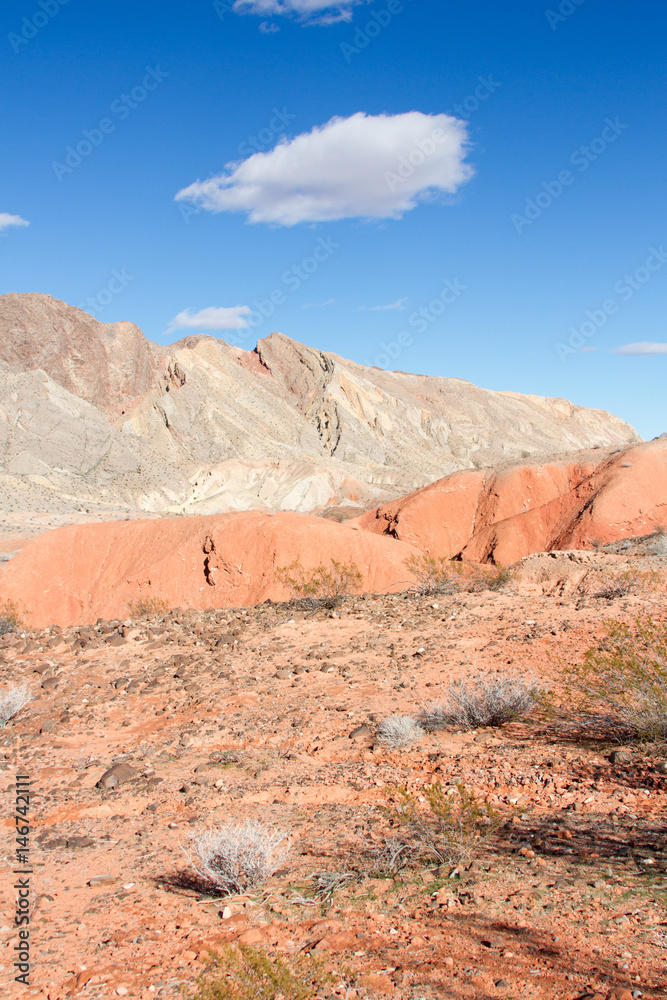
611, 585
12, 701
391, 858
399, 731
483, 699
239, 855
437, 575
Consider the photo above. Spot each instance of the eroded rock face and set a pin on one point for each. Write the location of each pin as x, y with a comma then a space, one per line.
283, 426
107, 364
75, 575
503, 516
58, 452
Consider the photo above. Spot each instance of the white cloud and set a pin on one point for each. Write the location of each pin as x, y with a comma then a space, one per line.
309, 11
7, 220
212, 318
365, 166
318, 305
643, 349
399, 304
267, 28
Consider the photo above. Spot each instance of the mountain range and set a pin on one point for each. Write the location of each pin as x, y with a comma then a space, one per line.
95, 417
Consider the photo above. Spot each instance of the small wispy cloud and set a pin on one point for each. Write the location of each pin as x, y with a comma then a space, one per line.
399, 304
642, 349
318, 305
7, 220
211, 318
267, 28
306, 11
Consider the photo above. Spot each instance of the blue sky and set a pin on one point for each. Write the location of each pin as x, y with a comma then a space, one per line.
523, 246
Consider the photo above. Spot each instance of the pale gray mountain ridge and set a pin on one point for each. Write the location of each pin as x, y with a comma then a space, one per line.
94, 415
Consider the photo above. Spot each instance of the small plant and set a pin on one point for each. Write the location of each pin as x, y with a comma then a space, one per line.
630, 581
239, 855
481, 700
495, 577
145, 607
12, 701
437, 575
399, 731
245, 973
391, 858
434, 575
448, 824
323, 586
10, 618
625, 678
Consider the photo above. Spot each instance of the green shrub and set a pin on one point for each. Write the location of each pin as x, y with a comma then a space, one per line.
449, 824
246, 973
623, 681
323, 586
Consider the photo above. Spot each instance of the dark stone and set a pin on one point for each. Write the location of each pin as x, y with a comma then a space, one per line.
117, 775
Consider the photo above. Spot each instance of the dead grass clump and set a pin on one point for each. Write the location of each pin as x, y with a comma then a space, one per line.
448, 824
481, 700
238, 856
12, 701
146, 607
622, 682
399, 731
246, 973
391, 857
323, 586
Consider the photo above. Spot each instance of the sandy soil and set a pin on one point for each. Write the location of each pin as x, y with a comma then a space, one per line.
249, 713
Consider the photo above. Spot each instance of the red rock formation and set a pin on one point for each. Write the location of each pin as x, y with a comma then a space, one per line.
501, 517
74, 575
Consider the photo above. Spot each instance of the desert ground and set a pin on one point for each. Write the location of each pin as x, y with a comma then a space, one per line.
143, 731
164, 673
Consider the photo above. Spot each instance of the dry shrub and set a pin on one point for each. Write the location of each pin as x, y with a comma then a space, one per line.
12, 701
238, 856
609, 585
437, 575
323, 586
448, 824
391, 857
483, 699
622, 682
246, 973
146, 607
11, 617
399, 731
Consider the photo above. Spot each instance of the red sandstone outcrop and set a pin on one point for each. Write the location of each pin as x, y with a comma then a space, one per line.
503, 516
74, 575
